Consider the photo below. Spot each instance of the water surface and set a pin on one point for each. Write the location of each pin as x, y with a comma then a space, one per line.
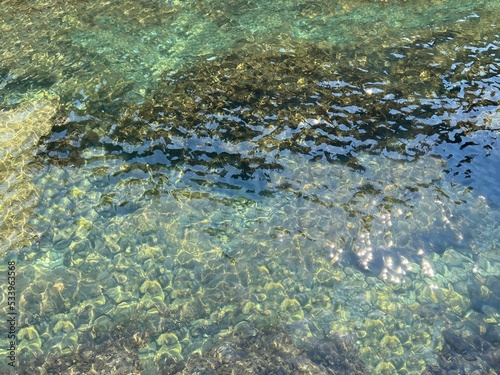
284, 187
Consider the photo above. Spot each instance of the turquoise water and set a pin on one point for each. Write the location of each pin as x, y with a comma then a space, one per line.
251, 187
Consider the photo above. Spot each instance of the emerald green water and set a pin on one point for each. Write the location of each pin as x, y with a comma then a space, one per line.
251, 187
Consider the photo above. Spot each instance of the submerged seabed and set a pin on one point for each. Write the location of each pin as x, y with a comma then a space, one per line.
268, 187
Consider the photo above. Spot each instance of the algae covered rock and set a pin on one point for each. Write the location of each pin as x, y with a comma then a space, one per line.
20, 131
478, 353
117, 355
272, 351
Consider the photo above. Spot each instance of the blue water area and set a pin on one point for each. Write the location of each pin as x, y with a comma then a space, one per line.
251, 187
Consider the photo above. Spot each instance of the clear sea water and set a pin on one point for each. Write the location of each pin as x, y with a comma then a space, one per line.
265, 187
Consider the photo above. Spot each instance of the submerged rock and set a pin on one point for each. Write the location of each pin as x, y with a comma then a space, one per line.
20, 131
118, 355
459, 355
273, 352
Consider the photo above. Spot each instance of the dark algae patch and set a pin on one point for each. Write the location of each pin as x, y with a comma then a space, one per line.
477, 353
259, 102
118, 355
272, 351
248, 350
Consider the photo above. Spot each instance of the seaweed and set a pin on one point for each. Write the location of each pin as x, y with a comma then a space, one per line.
272, 351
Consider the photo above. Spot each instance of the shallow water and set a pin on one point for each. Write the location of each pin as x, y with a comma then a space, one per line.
278, 187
